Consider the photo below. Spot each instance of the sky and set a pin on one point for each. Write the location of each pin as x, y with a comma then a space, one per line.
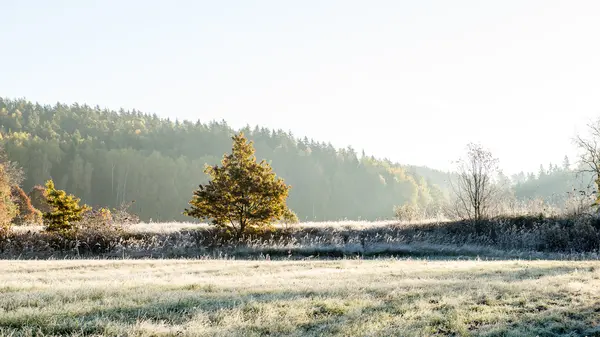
411, 81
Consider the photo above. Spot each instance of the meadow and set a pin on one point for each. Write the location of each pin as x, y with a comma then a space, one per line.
378, 297
519, 276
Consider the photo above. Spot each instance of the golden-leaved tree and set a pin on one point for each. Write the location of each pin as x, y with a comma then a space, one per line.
8, 210
65, 212
242, 193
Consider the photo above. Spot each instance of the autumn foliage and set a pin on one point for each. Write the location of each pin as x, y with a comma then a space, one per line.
8, 210
242, 194
39, 199
27, 214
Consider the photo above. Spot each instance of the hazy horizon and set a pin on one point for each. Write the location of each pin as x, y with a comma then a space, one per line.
405, 81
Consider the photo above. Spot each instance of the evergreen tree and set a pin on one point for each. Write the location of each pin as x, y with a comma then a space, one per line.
242, 193
542, 172
65, 213
566, 163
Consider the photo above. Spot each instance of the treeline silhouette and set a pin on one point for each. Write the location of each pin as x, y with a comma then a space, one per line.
554, 184
112, 157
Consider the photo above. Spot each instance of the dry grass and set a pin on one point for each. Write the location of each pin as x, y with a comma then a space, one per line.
299, 298
503, 238
172, 227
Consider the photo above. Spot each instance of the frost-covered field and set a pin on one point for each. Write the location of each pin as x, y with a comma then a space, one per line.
384, 297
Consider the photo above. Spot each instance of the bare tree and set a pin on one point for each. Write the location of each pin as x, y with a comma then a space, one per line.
589, 158
474, 187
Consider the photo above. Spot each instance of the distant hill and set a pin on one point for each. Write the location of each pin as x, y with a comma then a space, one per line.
110, 157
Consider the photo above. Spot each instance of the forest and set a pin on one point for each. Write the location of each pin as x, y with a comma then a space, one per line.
108, 158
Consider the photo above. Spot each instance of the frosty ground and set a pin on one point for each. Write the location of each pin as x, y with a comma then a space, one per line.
378, 297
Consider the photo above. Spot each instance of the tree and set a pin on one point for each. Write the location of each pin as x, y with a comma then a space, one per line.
542, 172
505, 196
97, 155
589, 157
242, 193
27, 214
474, 188
10, 175
8, 210
566, 165
39, 199
65, 212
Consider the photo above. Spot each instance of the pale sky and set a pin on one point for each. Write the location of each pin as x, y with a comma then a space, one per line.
412, 81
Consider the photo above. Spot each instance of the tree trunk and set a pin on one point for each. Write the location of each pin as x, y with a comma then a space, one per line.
241, 230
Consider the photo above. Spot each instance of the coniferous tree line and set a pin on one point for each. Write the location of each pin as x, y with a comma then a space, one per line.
108, 158
554, 183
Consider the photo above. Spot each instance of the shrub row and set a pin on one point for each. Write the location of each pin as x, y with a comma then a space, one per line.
499, 236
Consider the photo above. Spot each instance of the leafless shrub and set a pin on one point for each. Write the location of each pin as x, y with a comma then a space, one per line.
123, 216
408, 212
589, 158
579, 203
474, 189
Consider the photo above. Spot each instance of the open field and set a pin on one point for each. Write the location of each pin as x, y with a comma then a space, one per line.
383, 297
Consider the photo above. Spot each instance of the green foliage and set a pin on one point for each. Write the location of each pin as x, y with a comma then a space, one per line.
111, 157
555, 186
241, 194
66, 212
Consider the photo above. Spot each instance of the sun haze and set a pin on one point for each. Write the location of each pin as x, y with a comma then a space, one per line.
409, 81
